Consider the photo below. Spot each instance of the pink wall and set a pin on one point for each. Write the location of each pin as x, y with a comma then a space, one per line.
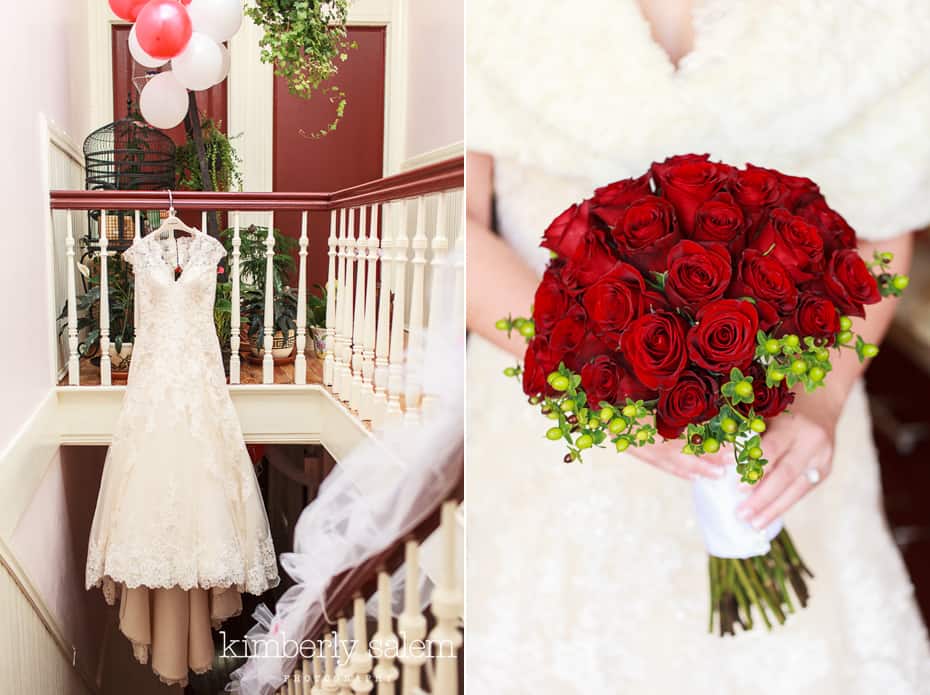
41, 49
435, 77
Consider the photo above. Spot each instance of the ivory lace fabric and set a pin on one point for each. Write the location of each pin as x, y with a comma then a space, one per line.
592, 578
179, 505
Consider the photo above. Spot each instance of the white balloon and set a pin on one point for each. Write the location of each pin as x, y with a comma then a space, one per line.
139, 55
199, 63
218, 19
224, 70
163, 101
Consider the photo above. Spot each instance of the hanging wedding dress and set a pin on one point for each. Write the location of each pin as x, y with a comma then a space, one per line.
592, 578
180, 529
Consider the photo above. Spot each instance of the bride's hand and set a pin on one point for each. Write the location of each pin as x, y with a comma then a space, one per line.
667, 456
799, 446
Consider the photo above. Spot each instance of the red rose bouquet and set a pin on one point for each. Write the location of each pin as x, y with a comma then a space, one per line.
690, 303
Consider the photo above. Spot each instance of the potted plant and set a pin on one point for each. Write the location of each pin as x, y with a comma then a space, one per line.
222, 161
121, 298
222, 319
253, 325
252, 260
316, 321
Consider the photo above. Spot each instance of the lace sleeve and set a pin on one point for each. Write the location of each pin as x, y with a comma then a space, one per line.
217, 251
129, 255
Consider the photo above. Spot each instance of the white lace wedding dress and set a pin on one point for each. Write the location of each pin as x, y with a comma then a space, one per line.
592, 578
179, 513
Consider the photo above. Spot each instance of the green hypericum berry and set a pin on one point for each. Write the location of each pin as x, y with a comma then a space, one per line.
845, 323
821, 354
518, 322
755, 453
887, 257
560, 383
710, 446
616, 426
585, 441
729, 425
606, 414
844, 336
534, 400
554, 433
900, 282
792, 340
593, 423
642, 435
622, 444
776, 375
799, 367
757, 425
502, 325
552, 415
743, 389
730, 437
551, 377
528, 330
869, 350
817, 374
510, 371
629, 411
772, 346
753, 475
687, 449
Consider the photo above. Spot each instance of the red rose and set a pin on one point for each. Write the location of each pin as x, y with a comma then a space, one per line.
654, 346
834, 230
568, 333
725, 335
600, 379
850, 283
537, 364
755, 188
765, 279
816, 316
550, 302
567, 231
591, 346
795, 243
688, 181
767, 402
696, 274
720, 220
693, 399
645, 233
615, 300
799, 190
610, 201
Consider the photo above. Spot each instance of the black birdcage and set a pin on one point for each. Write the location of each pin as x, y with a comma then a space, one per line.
126, 155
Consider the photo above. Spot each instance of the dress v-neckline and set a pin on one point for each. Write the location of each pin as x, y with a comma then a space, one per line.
675, 67
182, 267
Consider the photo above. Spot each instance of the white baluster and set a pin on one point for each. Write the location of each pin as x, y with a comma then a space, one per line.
330, 685
328, 360
234, 322
445, 637
361, 656
348, 296
398, 320
300, 362
440, 248
268, 360
340, 300
317, 688
411, 624
303, 688
105, 376
292, 684
343, 670
358, 322
383, 338
415, 336
458, 304
385, 640
366, 402
203, 221
136, 235
74, 360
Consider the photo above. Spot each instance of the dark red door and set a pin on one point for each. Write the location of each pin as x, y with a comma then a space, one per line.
350, 155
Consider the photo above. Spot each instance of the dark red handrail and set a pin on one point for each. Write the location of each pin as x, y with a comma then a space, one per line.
433, 178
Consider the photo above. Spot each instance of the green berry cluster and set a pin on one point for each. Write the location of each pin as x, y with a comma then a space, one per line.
792, 360
583, 427
524, 326
889, 284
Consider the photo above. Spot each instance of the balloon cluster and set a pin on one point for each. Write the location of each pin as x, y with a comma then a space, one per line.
189, 33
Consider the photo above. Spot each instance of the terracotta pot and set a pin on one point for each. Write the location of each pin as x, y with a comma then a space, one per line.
282, 350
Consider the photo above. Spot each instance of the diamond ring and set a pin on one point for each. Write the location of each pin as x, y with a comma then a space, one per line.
812, 475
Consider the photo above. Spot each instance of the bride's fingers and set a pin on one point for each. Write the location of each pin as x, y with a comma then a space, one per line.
799, 487
779, 475
682, 465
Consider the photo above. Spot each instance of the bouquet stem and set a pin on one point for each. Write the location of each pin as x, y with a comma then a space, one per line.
739, 585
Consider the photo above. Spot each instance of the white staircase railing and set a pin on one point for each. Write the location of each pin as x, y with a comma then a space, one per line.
383, 243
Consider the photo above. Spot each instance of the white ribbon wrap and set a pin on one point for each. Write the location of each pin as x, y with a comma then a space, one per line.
725, 535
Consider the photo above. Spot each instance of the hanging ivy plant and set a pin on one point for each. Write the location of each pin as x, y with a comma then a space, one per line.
306, 40
222, 161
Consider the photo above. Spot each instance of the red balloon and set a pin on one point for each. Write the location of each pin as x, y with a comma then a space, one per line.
163, 28
127, 9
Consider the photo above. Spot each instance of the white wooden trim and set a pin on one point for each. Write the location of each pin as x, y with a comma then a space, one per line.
49, 243
440, 154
